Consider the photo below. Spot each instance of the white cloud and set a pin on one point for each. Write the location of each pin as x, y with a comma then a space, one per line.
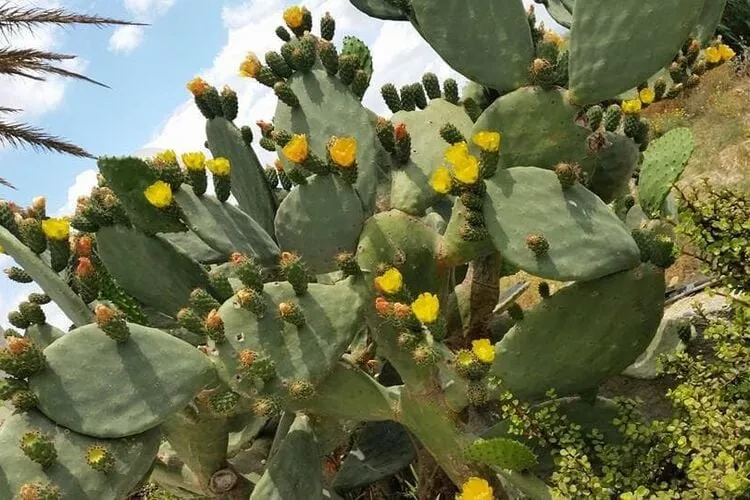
125, 39
148, 8
82, 186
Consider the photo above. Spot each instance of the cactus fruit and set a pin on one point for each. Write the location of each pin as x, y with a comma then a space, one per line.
39, 448
612, 118
39, 298
21, 357
595, 115
112, 322
450, 90
285, 94
391, 97
431, 85
291, 313
327, 27
18, 275
39, 491
451, 134
537, 244
24, 400
329, 57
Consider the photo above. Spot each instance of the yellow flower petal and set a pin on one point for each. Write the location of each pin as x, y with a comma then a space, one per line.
343, 151
441, 181
646, 95
713, 55
250, 66
294, 16
390, 282
464, 358
297, 149
631, 107
476, 488
159, 194
552, 37
483, 350
194, 161
467, 169
168, 156
197, 86
457, 152
426, 308
726, 52
487, 141
219, 166
56, 229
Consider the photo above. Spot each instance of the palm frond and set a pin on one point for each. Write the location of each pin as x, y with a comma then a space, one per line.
20, 135
27, 62
14, 18
4, 109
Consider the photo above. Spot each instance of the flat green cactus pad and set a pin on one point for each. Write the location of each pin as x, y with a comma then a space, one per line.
454, 250
380, 9
473, 37
615, 167
328, 108
121, 389
560, 12
319, 220
708, 20
43, 335
538, 128
189, 243
294, 473
173, 275
586, 239
333, 314
129, 177
410, 187
75, 478
663, 164
615, 49
249, 185
405, 242
582, 334
226, 228
502, 452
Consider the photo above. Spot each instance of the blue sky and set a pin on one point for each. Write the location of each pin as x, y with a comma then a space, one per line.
147, 107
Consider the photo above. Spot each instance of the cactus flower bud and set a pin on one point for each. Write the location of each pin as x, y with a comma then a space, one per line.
85, 268
198, 86
425, 355
347, 262
21, 357
82, 246
567, 174
383, 307
249, 299
39, 491
537, 244
112, 322
247, 358
301, 390
291, 313
215, 326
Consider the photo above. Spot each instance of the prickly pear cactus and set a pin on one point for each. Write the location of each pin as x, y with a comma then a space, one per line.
371, 242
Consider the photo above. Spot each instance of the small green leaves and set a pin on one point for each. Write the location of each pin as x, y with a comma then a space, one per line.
501, 452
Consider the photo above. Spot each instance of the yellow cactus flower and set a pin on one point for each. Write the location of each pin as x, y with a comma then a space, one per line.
441, 181
250, 66
646, 96
343, 151
631, 107
552, 37
467, 170
487, 141
294, 16
713, 55
726, 52
426, 308
159, 194
56, 229
483, 350
297, 150
194, 161
464, 358
476, 488
198, 86
457, 152
390, 282
219, 166
168, 156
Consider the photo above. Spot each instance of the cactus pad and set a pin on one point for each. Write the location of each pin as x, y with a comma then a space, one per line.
328, 108
560, 12
502, 452
249, 185
75, 478
319, 220
616, 165
410, 189
586, 239
708, 20
563, 346
615, 49
470, 35
226, 228
43, 335
123, 388
380, 9
189, 243
663, 164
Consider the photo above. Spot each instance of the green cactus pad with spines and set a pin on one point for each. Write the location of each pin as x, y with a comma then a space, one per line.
226, 228
294, 472
615, 49
453, 248
319, 220
70, 303
708, 20
560, 12
328, 108
502, 452
405, 242
663, 164
189, 243
70, 472
616, 165
249, 185
468, 36
172, 274
410, 185
380, 9
586, 239
563, 346
538, 128
123, 388
43, 335
333, 316
129, 177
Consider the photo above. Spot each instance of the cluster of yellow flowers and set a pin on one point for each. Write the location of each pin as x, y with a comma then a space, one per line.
426, 307
465, 166
167, 157
722, 53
